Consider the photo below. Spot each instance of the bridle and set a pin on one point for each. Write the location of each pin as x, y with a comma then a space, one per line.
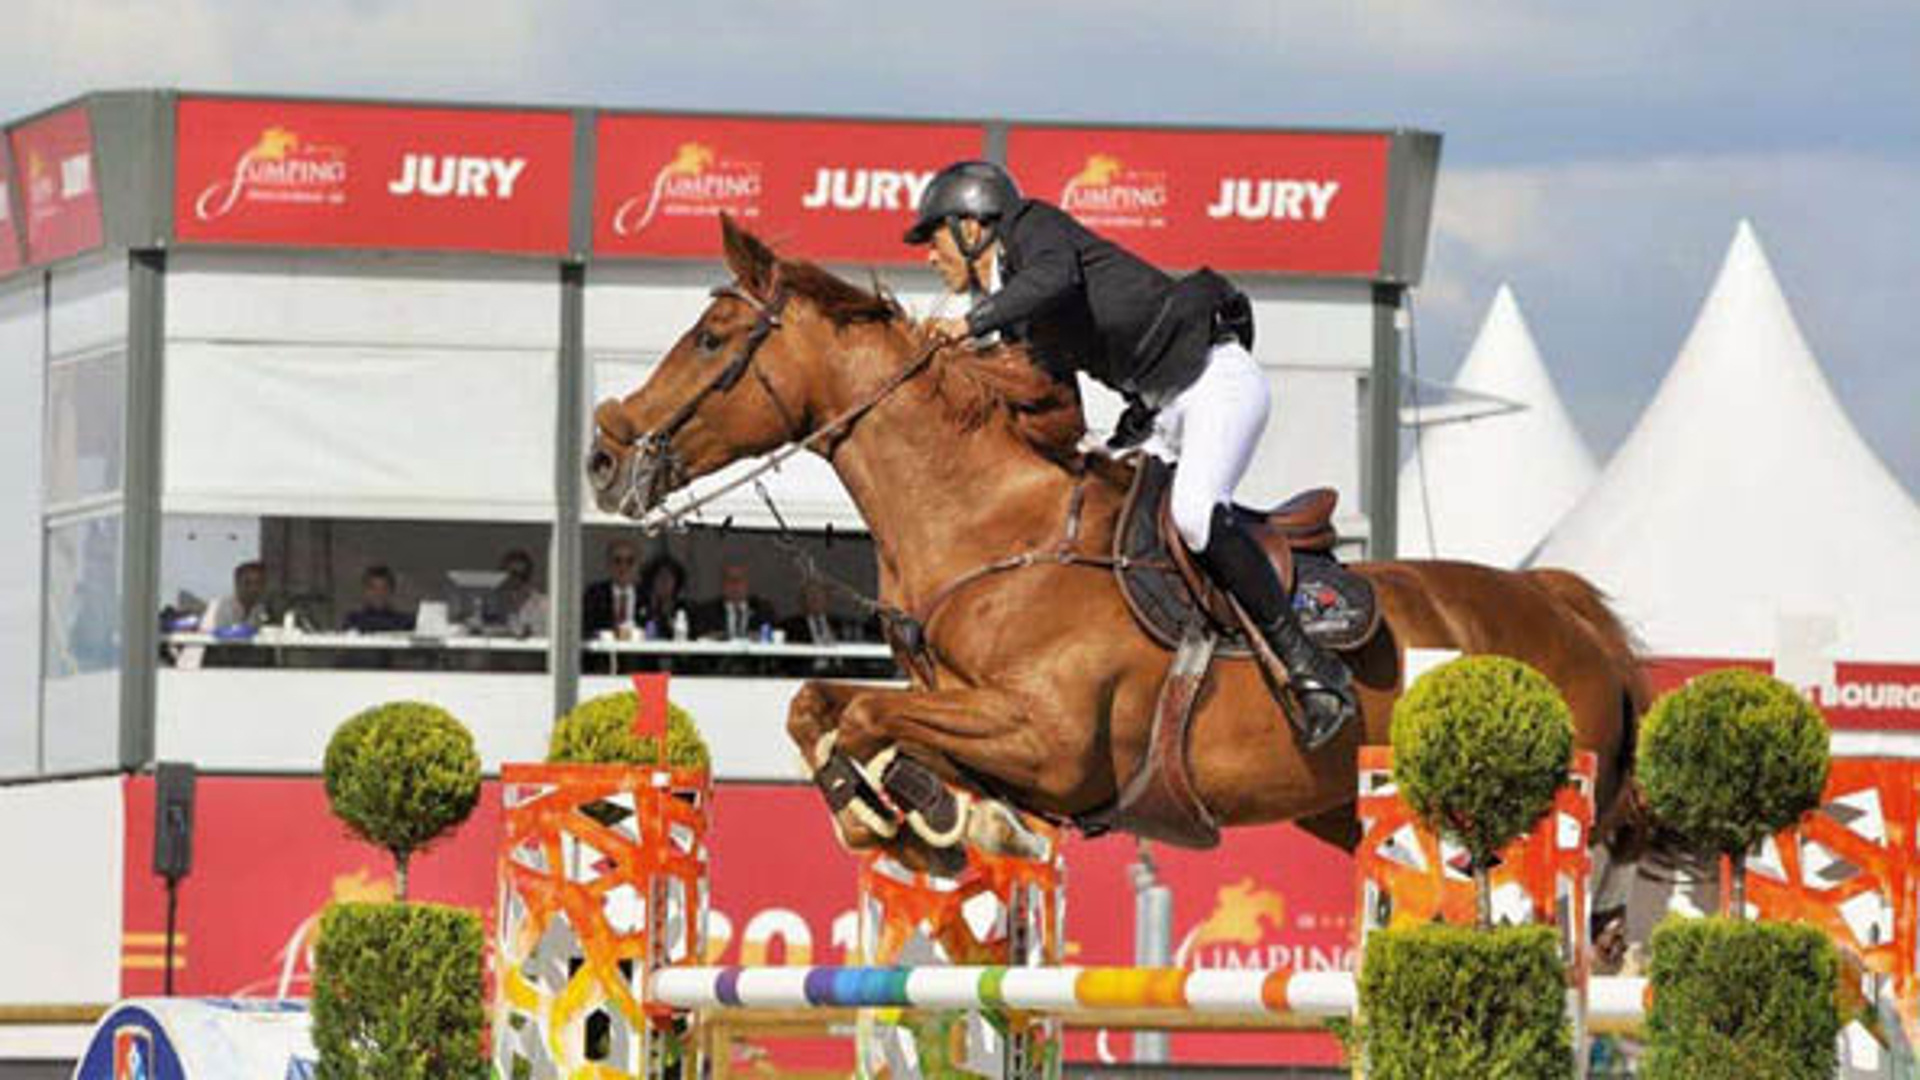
653, 465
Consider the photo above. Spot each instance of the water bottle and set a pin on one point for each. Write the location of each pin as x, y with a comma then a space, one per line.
680, 629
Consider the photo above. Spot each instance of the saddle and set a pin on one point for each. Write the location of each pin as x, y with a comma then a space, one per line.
1168, 593
1181, 608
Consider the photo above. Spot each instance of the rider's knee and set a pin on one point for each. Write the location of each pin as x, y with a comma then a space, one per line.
1192, 514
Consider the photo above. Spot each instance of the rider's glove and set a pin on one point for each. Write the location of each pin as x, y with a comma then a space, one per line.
1134, 427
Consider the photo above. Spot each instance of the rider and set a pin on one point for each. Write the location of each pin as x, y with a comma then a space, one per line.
1178, 349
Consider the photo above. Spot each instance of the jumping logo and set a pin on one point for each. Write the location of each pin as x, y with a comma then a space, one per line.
280, 168
697, 182
1246, 931
1105, 192
132, 1054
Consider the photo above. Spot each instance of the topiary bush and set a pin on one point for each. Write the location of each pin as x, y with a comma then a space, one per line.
398, 993
599, 731
1443, 1001
1729, 759
400, 775
1480, 747
1738, 1000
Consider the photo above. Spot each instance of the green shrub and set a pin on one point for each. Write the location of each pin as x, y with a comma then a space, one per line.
599, 731
1438, 1002
1742, 1001
1480, 746
399, 993
401, 774
1731, 758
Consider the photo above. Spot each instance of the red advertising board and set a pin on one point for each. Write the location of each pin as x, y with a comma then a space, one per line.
1272, 202
9, 235
268, 857
824, 190
59, 194
372, 176
1861, 697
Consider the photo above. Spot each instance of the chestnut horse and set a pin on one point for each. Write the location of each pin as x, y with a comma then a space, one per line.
1042, 686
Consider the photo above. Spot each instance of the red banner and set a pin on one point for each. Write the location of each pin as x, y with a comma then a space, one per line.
372, 176
9, 235
1271, 202
61, 200
823, 190
268, 857
1861, 697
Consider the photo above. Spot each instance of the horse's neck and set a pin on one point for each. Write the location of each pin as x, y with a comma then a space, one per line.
940, 501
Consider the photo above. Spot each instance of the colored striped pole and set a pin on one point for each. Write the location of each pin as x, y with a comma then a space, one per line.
1040, 989
1613, 1003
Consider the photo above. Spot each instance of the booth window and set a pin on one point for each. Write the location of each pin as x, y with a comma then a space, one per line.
313, 592
86, 403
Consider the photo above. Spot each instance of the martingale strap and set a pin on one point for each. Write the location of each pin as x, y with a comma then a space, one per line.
1064, 552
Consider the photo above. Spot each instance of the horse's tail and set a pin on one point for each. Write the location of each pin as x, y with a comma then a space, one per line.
1623, 649
1589, 605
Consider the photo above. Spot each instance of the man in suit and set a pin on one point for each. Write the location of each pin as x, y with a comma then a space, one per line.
614, 602
816, 624
736, 614
377, 613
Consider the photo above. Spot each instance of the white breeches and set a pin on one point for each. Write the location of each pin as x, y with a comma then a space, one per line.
1211, 428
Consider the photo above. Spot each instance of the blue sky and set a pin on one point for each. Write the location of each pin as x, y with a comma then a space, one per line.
1597, 156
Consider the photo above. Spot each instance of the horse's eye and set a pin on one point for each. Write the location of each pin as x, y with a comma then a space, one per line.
706, 340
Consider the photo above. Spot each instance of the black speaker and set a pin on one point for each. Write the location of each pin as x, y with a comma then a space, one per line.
173, 819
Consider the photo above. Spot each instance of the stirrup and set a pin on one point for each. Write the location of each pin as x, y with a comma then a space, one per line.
1313, 675
1314, 727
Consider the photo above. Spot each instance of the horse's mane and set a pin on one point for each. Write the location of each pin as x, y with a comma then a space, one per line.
972, 386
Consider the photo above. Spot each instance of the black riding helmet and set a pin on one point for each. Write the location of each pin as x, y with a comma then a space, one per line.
966, 189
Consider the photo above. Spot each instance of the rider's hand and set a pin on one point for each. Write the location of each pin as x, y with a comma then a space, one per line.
950, 330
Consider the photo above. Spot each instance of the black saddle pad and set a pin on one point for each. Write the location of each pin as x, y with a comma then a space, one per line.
1335, 606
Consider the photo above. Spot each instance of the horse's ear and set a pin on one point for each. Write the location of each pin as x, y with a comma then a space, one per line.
750, 260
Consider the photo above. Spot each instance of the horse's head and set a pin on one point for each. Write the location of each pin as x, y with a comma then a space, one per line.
745, 379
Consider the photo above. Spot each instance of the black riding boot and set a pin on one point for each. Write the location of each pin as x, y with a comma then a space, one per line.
1320, 683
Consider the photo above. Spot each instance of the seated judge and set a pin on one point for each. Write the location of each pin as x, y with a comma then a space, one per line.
615, 602
736, 614
816, 624
377, 613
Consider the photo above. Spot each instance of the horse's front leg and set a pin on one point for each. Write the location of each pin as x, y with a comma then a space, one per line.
860, 815
911, 745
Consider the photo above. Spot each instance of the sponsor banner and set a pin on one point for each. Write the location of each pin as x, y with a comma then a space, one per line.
9, 235
268, 857
826, 190
1860, 697
372, 176
1260, 201
60, 199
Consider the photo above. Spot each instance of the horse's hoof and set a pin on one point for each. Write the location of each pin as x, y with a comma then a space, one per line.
997, 829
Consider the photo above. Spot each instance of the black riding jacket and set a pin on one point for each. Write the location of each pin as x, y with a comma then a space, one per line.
1083, 303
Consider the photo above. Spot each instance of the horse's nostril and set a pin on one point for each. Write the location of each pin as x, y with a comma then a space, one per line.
600, 467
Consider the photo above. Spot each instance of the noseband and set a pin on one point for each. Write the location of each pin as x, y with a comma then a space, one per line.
653, 462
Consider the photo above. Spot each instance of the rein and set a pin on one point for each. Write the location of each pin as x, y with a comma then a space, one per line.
909, 631
658, 446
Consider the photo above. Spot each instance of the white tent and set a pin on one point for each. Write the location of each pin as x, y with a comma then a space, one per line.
1497, 462
1744, 516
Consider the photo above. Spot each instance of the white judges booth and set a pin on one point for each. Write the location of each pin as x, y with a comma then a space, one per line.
329, 335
